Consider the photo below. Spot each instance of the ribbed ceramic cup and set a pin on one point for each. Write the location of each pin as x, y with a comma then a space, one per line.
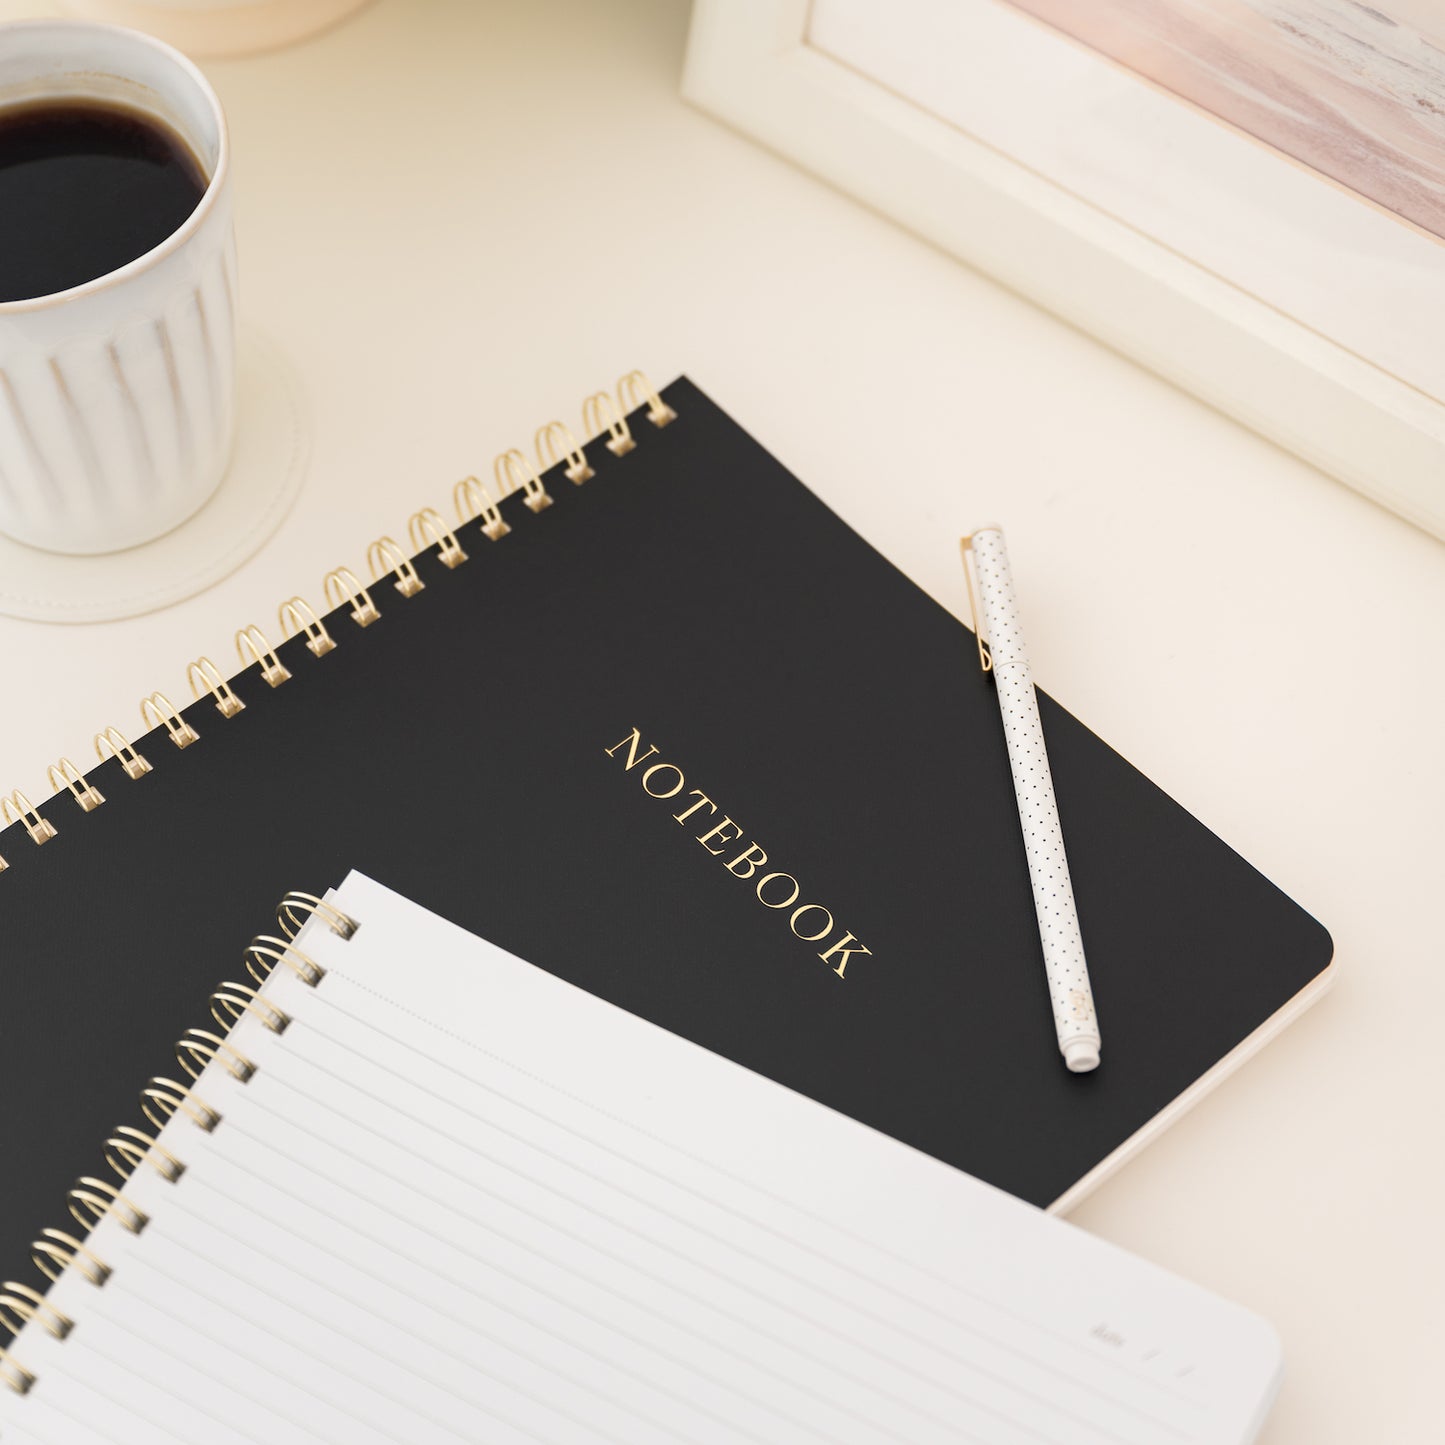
117, 397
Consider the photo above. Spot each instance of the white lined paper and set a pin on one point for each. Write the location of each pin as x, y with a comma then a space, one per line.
462, 1200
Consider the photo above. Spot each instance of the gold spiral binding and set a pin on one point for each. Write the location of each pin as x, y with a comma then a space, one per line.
203, 1045
600, 414
343, 588
308, 903
112, 738
168, 1098
232, 1000
182, 734
134, 1148
15, 1374
554, 444
554, 441
297, 615
56, 1251
427, 528
512, 472
21, 1308
472, 501
65, 774
280, 950
385, 556
23, 1312
29, 1304
251, 639
203, 674
633, 389
88, 1208
17, 808
93, 1200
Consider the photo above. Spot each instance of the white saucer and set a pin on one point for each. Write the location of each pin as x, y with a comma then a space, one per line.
266, 471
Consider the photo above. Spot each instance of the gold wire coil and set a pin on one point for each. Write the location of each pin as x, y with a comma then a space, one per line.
280, 950
15, 1374
182, 734
633, 389
599, 414
232, 1000
385, 556
202, 674
306, 904
134, 1148
472, 501
55, 1251
251, 639
554, 441
162, 1099
113, 739
343, 589
297, 615
17, 808
513, 472
426, 527
203, 1045
30, 1304
88, 1208
65, 774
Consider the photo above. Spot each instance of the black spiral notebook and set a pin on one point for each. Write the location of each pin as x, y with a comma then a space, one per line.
675, 733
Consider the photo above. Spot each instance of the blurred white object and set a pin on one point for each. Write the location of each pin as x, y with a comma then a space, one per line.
117, 397
220, 27
1272, 293
263, 478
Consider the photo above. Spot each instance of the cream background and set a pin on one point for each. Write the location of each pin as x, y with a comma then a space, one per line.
458, 219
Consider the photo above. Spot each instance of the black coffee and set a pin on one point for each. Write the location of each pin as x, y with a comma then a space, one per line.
84, 188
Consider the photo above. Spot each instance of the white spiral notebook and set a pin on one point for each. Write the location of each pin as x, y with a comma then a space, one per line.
456, 1199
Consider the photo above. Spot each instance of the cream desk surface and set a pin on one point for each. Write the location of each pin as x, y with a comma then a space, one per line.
457, 219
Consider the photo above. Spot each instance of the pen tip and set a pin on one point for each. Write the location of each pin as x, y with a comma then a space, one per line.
1081, 1055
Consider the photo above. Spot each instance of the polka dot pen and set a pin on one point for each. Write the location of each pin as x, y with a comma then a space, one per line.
1001, 651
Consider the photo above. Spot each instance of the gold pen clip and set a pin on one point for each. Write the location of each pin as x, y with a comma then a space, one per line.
985, 657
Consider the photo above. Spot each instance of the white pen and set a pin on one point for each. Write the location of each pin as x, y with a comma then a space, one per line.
1004, 655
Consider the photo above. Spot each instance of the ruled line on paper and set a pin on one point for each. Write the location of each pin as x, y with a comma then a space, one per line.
1167, 1388
416, 1122
914, 1337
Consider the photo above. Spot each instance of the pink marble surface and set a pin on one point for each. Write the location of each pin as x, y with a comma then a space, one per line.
1355, 91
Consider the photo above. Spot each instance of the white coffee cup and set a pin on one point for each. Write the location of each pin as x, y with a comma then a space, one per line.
117, 397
